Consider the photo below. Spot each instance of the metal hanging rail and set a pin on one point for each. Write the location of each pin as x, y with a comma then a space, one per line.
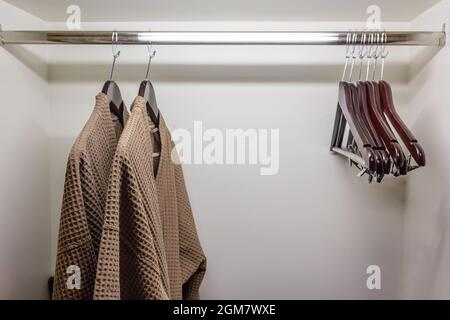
396, 38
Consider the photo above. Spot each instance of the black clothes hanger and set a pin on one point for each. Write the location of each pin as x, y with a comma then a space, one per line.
349, 113
340, 121
116, 105
111, 89
387, 106
383, 128
363, 112
386, 132
405, 134
346, 103
147, 91
359, 148
366, 106
367, 136
371, 129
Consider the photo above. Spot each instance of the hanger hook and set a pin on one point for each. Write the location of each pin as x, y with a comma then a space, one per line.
151, 53
115, 52
369, 54
347, 56
354, 39
362, 52
376, 55
347, 43
384, 54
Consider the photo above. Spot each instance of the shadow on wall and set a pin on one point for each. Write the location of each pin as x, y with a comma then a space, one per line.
420, 61
35, 63
315, 73
211, 73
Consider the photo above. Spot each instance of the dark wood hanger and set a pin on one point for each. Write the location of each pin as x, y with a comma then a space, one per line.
383, 128
336, 136
116, 105
345, 103
338, 129
147, 92
366, 121
359, 116
110, 88
405, 134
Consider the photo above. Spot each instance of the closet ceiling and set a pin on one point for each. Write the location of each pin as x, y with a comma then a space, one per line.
231, 10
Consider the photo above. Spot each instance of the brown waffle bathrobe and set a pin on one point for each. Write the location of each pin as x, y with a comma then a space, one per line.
149, 247
87, 172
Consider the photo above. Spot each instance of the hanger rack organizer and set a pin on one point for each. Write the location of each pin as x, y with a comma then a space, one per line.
332, 38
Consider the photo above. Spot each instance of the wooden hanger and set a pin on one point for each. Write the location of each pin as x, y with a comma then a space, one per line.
116, 105
147, 92
383, 128
111, 89
366, 106
360, 118
346, 102
366, 121
405, 134
359, 148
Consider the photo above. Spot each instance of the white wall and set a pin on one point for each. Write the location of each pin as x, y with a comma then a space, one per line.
427, 213
24, 165
308, 232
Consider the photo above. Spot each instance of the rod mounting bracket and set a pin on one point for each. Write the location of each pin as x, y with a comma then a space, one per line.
2, 41
443, 38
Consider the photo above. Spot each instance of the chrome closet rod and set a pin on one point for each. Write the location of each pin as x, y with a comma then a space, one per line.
396, 38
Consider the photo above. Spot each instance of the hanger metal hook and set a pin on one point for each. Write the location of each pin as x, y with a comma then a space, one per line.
369, 54
151, 54
347, 56
347, 43
354, 39
362, 53
384, 54
115, 52
376, 55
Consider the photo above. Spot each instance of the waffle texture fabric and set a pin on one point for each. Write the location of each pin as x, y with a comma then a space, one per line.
88, 168
149, 246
